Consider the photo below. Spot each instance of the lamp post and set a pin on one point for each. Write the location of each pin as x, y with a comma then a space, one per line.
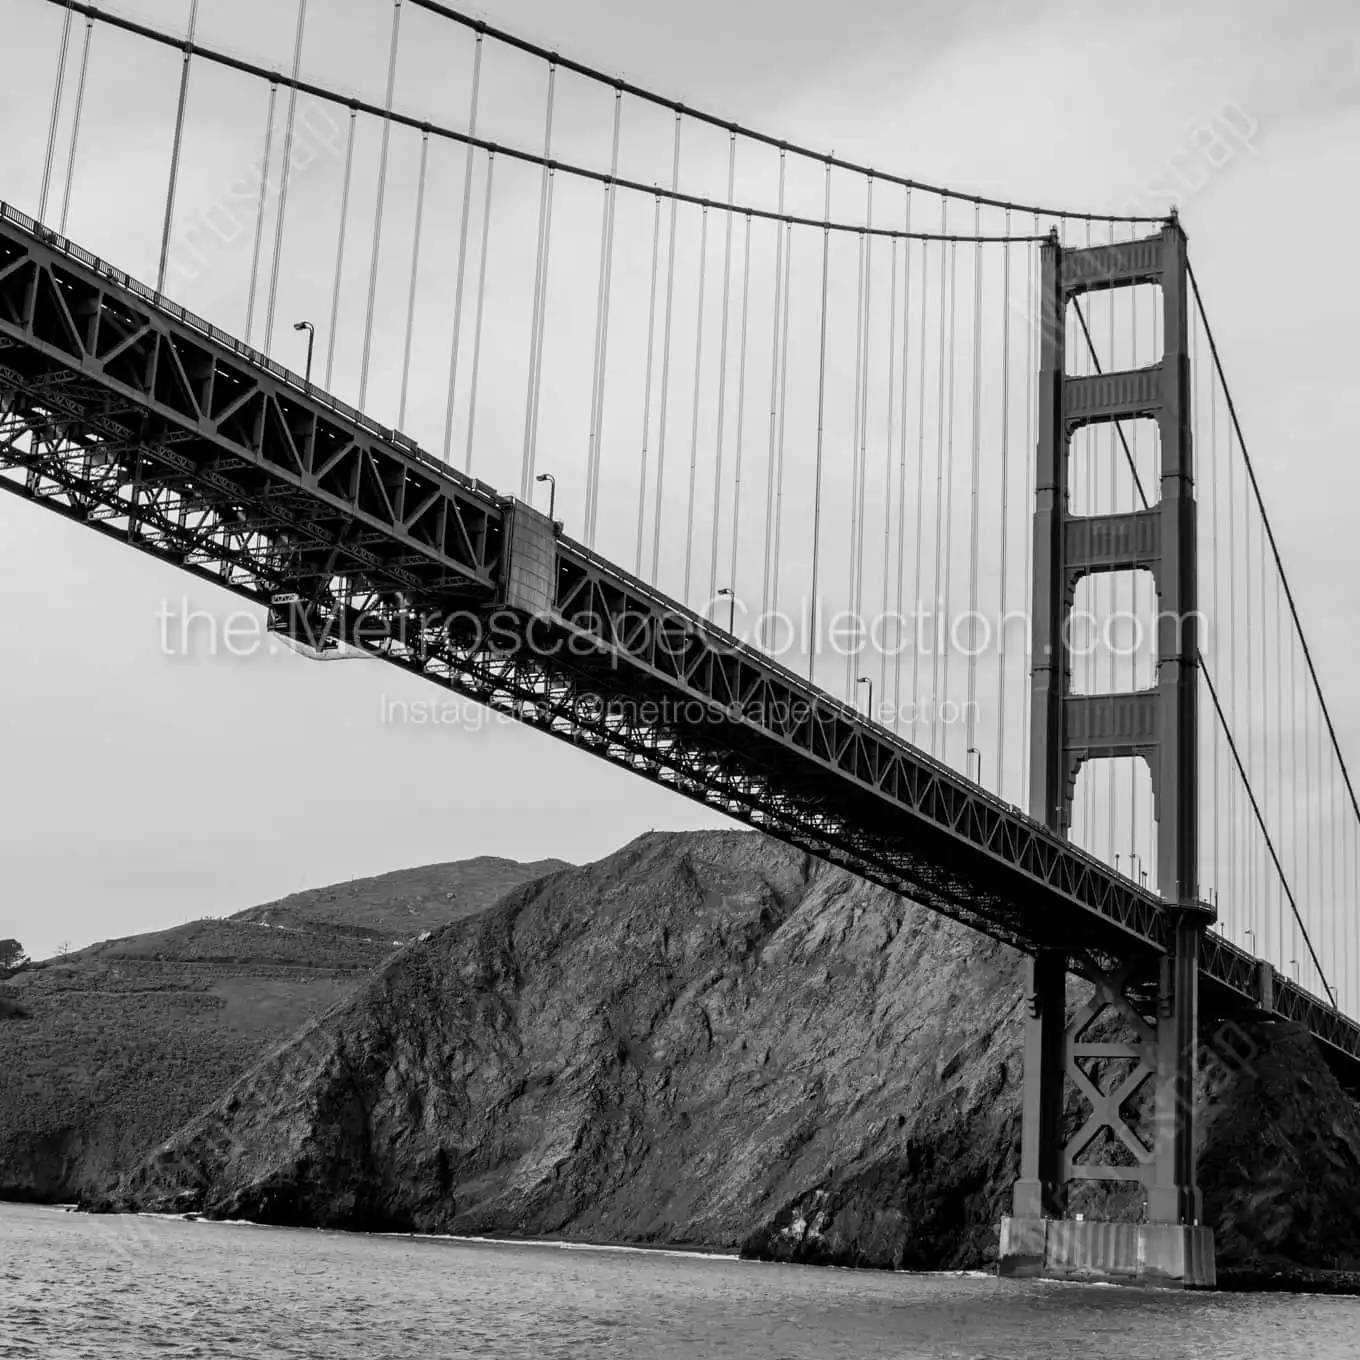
973, 751
552, 493
731, 608
311, 342
864, 680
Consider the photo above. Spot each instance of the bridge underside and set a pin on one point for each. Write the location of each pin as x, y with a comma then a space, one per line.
122, 412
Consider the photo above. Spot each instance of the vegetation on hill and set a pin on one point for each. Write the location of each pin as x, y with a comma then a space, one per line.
105, 1051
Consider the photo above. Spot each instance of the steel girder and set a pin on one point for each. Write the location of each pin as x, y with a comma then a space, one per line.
229, 430
128, 414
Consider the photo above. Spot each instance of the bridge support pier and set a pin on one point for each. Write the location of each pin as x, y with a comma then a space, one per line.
1128, 1052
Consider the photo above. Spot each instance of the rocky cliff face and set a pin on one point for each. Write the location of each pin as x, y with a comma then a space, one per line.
107, 1051
706, 1039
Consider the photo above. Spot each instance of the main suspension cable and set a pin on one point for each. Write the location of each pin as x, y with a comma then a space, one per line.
1274, 546
590, 73
527, 157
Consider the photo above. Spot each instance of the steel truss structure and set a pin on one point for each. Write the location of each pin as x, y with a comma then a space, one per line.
124, 412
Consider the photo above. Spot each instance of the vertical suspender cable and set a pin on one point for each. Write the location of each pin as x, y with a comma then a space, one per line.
867, 242
647, 381
481, 305
821, 419
666, 354
461, 273
856, 473
935, 601
741, 403
1279, 754
463, 255
75, 126
283, 178
1233, 668
1253, 877
765, 621
340, 243
378, 210
1213, 558
259, 209
948, 614
970, 724
888, 480
722, 370
1031, 444
1135, 591
902, 470
1107, 768
1005, 514
56, 113
698, 381
783, 395
921, 482
602, 329
415, 276
175, 145
542, 327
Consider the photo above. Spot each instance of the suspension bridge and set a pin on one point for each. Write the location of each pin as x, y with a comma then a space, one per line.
914, 527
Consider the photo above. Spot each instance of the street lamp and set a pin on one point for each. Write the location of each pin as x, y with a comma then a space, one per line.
731, 609
864, 680
552, 493
973, 751
311, 342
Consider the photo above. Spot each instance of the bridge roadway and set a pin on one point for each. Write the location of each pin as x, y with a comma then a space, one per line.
121, 410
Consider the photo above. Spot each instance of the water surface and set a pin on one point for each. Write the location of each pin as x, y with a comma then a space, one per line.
84, 1287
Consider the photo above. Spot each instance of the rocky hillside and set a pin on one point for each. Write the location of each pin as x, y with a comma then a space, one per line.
107, 1051
710, 1039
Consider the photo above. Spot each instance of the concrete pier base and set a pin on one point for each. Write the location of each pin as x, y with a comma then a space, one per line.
1154, 1255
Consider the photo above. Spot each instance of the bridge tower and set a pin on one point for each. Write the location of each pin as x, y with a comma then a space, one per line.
1139, 1026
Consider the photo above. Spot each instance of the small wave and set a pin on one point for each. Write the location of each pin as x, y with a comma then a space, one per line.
692, 1254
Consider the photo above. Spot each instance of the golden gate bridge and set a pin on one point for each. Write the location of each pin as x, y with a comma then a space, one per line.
913, 526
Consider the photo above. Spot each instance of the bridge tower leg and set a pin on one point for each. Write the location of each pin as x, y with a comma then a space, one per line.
1153, 997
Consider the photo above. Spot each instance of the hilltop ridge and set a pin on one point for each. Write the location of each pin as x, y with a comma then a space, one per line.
105, 1051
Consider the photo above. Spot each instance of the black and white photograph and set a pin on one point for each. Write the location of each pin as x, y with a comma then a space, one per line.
676, 680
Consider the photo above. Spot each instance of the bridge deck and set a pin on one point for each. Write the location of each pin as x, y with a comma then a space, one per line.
124, 411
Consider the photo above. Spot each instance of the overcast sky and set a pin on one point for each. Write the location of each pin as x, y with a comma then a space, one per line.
139, 788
